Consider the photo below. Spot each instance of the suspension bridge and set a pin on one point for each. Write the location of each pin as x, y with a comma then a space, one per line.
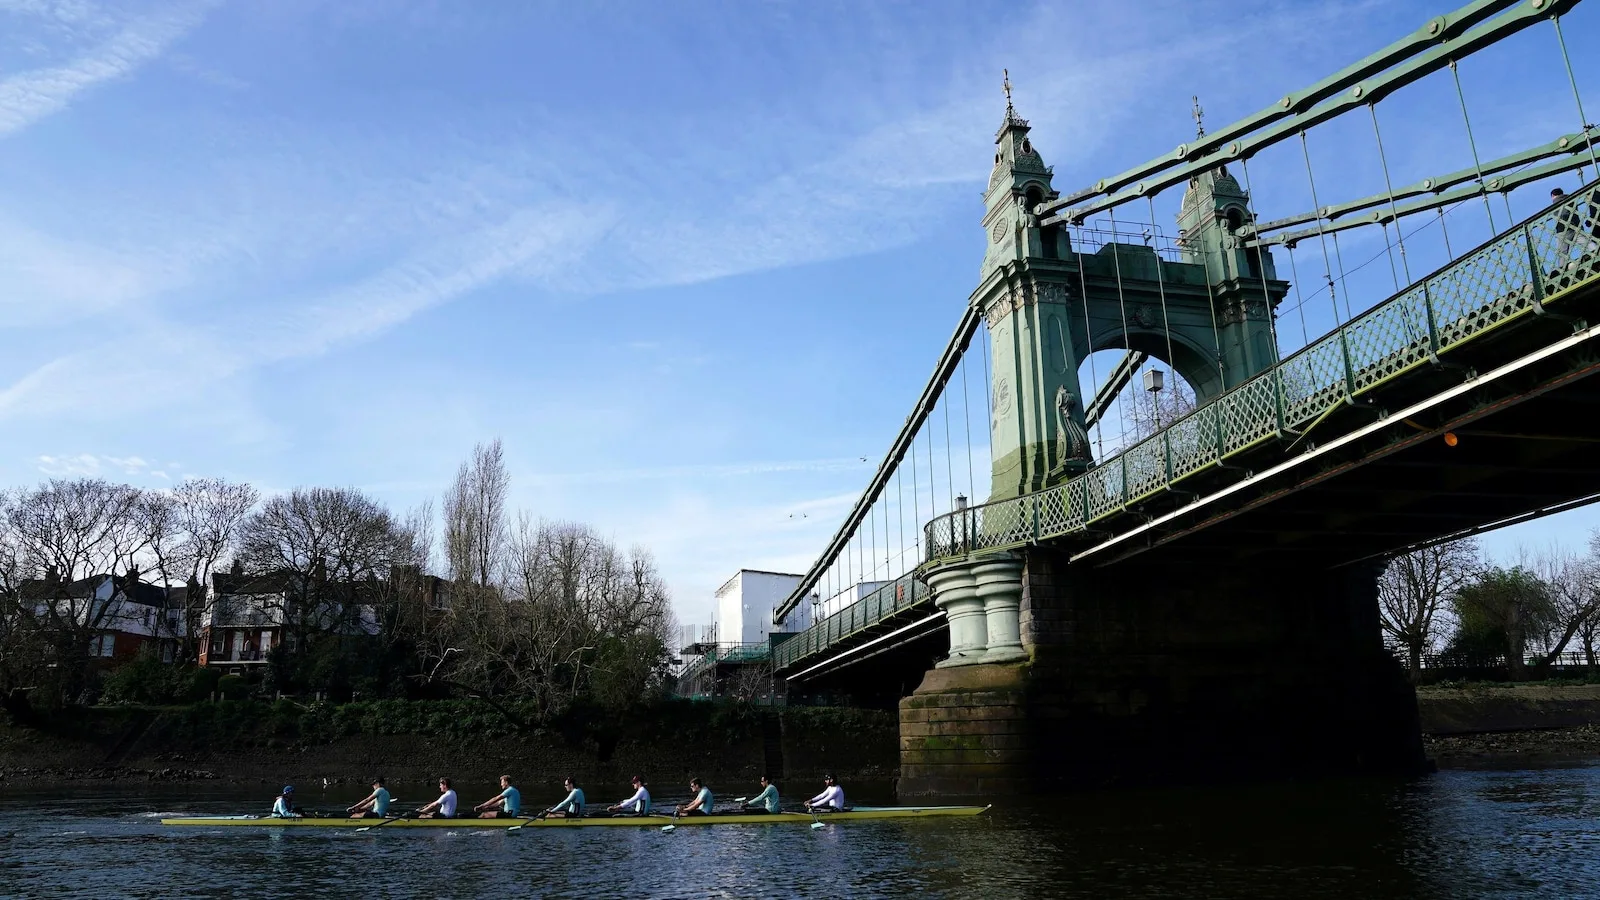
1175, 573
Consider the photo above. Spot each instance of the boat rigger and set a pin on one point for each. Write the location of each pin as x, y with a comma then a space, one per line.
859, 813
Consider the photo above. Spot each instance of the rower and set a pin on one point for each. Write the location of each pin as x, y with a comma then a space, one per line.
572, 806
766, 801
283, 807
442, 808
830, 800
638, 804
701, 804
509, 798
375, 806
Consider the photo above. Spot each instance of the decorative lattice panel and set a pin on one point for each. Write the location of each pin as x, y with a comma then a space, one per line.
1388, 339
1194, 440
1146, 464
1008, 522
1482, 290
1312, 380
1249, 413
1061, 509
1104, 485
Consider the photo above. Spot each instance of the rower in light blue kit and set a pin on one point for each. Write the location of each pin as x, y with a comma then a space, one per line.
376, 804
766, 801
572, 806
702, 803
509, 799
638, 804
283, 807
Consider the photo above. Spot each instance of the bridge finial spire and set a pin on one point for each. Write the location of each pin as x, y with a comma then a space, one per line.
1005, 82
1199, 117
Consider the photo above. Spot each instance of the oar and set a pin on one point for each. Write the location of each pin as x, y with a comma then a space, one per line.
816, 821
520, 826
672, 827
409, 815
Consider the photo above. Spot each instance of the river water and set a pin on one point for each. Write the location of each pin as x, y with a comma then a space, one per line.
1530, 832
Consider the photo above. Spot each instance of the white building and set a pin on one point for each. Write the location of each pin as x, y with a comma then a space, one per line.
746, 602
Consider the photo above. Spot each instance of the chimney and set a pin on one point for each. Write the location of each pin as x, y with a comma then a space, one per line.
52, 575
237, 568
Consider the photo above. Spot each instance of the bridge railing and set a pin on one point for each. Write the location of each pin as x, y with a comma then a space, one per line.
1507, 278
894, 597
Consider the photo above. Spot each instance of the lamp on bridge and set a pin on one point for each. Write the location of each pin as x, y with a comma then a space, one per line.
1154, 380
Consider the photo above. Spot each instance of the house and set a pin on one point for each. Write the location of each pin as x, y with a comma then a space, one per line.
245, 619
251, 614
125, 613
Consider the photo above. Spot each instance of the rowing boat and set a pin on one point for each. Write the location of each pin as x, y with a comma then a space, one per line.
855, 814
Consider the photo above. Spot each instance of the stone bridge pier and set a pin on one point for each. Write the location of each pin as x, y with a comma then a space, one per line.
1063, 677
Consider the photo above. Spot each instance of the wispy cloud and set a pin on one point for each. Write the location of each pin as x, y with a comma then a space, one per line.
29, 96
90, 465
685, 473
179, 359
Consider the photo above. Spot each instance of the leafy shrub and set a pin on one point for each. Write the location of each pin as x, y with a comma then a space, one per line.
146, 679
234, 687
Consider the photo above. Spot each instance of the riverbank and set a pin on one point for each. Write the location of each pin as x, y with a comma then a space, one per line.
1496, 725
250, 742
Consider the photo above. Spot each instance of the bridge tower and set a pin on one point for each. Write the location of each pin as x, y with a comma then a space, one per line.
1058, 674
1206, 315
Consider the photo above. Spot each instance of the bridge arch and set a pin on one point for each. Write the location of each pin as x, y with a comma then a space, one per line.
1192, 356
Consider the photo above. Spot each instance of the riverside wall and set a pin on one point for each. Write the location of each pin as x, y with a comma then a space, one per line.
666, 746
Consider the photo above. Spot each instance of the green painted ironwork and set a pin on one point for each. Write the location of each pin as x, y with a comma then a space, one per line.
1438, 44
899, 596
1508, 279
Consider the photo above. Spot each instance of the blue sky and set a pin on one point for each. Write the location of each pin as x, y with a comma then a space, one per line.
690, 261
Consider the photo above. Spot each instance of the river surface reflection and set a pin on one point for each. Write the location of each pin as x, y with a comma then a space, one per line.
1530, 832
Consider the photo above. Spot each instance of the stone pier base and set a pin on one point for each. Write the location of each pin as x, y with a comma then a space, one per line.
1150, 676
965, 732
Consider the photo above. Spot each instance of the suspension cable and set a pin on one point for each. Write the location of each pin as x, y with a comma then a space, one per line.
1389, 186
1261, 262
1473, 143
1327, 264
1211, 303
916, 509
900, 509
1582, 119
1127, 340
1299, 297
1161, 287
1088, 337
949, 472
966, 418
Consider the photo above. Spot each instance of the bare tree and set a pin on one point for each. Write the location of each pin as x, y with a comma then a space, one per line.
1148, 412
1573, 586
475, 528
319, 546
73, 530
1415, 587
